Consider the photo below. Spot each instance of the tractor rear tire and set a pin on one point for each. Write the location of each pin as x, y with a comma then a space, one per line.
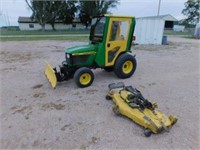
125, 66
83, 77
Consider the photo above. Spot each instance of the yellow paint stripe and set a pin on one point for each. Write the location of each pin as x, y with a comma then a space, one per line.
87, 53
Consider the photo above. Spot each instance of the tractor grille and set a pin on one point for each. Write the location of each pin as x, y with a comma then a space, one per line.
80, 59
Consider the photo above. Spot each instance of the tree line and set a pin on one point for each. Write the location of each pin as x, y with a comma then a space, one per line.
192, 11
65, 11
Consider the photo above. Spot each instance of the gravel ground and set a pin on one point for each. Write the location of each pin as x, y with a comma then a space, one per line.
33, 115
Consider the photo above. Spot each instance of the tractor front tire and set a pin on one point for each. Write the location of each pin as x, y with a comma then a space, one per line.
125, 66
83, 77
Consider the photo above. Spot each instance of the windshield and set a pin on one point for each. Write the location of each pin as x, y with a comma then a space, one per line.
97, 29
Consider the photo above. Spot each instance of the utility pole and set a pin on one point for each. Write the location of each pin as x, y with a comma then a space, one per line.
159, 8
7, 18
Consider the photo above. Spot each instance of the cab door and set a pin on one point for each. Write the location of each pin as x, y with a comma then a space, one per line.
117, 38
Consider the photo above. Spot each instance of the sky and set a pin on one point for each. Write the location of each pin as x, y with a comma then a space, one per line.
10, 10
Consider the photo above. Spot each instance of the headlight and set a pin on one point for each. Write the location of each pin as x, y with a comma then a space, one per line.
68, 56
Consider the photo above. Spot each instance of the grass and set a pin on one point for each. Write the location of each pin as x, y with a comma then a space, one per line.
55, 35
73, 38
190, 37
188, 33
40, 35
50, 32
171, 32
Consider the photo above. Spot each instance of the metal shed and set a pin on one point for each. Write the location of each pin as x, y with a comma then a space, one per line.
149, 30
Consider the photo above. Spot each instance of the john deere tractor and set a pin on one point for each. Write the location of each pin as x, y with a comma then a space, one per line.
108, 48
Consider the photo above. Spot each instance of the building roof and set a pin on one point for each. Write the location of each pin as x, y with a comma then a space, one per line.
167, 17
26, 20
29, 20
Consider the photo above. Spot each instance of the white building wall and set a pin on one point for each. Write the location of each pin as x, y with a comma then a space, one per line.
25, 26
149, 30
58, 26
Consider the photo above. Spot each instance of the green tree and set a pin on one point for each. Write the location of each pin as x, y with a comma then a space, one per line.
68, 13
88, 9
49, 11
192, 12
62, 11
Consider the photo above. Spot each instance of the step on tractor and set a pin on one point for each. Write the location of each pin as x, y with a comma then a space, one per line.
109, 48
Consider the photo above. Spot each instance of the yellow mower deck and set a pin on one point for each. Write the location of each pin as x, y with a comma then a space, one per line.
151, 119
50, 74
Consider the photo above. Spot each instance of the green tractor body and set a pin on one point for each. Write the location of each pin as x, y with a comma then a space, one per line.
110, 42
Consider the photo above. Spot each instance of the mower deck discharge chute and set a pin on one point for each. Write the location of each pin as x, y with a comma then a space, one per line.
130, 103
109, 48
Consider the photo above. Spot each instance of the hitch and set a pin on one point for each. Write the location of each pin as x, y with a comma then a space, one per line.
60, 77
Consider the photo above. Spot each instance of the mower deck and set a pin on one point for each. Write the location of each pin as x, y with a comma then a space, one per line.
130, 103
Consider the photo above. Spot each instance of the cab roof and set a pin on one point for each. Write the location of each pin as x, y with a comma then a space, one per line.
117, 16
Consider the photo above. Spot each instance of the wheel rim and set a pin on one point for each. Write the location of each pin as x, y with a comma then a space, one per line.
85, 78
127, 67
116, 110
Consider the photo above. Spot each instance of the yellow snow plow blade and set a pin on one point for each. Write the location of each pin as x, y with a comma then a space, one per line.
50, 74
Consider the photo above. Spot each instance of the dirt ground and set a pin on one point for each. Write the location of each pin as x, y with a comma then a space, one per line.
33, 115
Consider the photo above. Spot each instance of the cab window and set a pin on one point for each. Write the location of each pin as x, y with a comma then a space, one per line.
97, 29
119, 30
